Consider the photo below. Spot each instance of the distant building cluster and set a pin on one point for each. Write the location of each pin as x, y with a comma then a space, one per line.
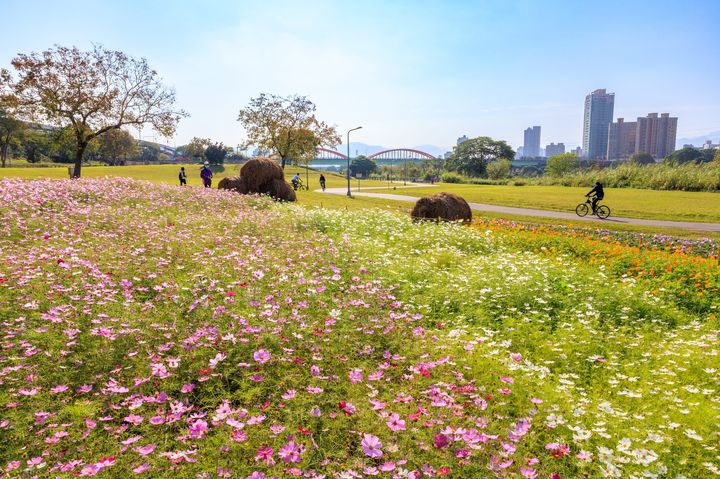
653, 134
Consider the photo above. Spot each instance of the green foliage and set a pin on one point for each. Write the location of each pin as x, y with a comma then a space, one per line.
660, 176
560, 165
451, 178
11, 130
471, 157
685, 155
215, 153
642, 159
363, 165
716, 156
499, 169
116, 145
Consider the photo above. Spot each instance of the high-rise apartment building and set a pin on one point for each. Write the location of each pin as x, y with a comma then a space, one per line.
621, 139
461, 139
656, 135
531, 145
596, 122
552, 149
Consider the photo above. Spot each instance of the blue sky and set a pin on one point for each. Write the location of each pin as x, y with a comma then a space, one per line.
410, 72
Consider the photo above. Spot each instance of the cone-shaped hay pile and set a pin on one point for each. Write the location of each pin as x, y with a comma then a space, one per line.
443, 206
262, 176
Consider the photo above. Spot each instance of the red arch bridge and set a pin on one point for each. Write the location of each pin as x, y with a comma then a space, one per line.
393, 155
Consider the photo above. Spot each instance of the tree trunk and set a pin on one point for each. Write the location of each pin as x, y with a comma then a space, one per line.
3, 155
78, 159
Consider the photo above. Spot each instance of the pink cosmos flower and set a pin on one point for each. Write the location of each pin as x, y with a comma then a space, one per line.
145, 450
517, 357
256, 475
440, 441
355, 376
134, 419
141, 468
395, 423
35, 461
528, 472
157, 420
371, 446
187, 388
197, 429
291, 452
261, 356
265, 454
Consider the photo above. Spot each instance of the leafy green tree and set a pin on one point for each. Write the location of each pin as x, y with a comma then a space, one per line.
196, 148
91, 92
11, 130
36, 145
279, 124
363, 165
149, 153
642, 159
685, 155
499, 169
115, 145
562, 164
471, 157
716, 157
215, 153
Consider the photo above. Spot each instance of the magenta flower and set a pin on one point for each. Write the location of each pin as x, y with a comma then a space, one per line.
371, 446
261, 356
197, 429
395, 423
134, 419
145, 450
265, 454
440, 441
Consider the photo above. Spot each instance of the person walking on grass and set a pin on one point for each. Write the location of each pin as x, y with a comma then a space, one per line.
599, 195
206, 175
182, 177
322, 181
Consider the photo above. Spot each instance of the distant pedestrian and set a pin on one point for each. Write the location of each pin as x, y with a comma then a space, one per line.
182, 177
206, 175
322, 181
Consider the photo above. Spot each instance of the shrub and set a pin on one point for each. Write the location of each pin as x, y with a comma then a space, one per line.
451, 178
499, 169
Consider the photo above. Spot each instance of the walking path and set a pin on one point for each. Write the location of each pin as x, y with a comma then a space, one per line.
686, 225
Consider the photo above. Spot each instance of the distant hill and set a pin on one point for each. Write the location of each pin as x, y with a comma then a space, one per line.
714, 136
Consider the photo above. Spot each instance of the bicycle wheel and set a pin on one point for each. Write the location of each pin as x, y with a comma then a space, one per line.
603, 211
582, 209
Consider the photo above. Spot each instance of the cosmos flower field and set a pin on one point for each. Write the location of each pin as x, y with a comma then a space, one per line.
153, 331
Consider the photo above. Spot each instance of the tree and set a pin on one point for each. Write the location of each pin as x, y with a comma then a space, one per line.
363, 165
11, 130
279, 124
215, 153
685, 155
559, 165
149, 153
116, 144
91, 92
716, 157
36, 145
472, 156
304, 146
499, 169
642, 159
196, 148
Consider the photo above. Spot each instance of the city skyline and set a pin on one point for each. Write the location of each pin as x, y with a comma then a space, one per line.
410, 72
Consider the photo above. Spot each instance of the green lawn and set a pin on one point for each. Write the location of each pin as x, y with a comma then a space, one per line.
625, 202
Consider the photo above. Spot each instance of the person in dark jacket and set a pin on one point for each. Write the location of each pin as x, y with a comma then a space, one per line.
206, 175
322, 181
599, 195
182, 177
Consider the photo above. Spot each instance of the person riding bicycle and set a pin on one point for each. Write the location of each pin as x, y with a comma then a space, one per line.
296, 181
599, 195
322, 181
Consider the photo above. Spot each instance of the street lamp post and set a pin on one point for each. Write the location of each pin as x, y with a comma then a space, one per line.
348, 159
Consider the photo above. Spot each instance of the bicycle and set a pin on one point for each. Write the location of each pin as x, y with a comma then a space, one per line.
299, 185
601, 211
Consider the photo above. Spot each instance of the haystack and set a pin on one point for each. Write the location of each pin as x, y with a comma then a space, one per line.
443, 206
280, 190
258, 174
229, 183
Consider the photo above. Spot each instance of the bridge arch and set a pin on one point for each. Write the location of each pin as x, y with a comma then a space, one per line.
327, 154
401, 154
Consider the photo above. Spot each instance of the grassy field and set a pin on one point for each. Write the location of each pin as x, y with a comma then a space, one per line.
185, 332
624, 202
695, 206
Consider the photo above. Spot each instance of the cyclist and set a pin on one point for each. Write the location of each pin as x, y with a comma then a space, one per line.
296, 181
599, 195
322, 181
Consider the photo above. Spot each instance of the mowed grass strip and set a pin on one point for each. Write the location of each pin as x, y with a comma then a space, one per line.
624, 202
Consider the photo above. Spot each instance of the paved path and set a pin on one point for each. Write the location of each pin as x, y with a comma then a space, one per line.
686, 225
